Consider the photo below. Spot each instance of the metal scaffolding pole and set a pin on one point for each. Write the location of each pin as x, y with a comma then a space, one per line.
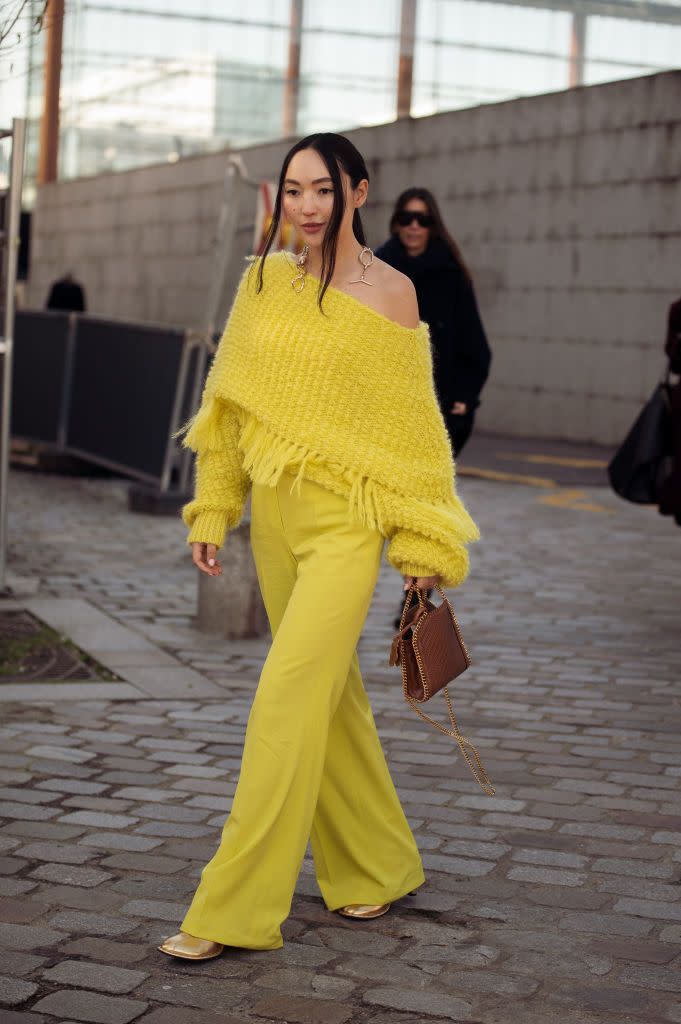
292, 83
405, 67
577, 46
49, 126
10, 240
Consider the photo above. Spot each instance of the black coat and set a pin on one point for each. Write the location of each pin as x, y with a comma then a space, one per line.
447, 303
67, 294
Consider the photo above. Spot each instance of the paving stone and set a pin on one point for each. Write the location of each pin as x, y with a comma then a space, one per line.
609, 924
31, 796
622, 866
105, 950
20, 911
25, 936
119, 841
77, 897
546, 965
488, 981
98, 819
546, 876
351, 940
27, 812
70, 875
55, 853
449, 953
389, 972
639, 887
219, 994
91, 1007
174, 830
457, 865
435, 1004
627, 949
299, 981
649, 908
666, 979
550, 857
470, 848
43, 830
90, 924
299, 1010
152, 862
117, 980
16, 963
602, 998
156, 909
185, 1015
55, 753
21, 1017
14, 991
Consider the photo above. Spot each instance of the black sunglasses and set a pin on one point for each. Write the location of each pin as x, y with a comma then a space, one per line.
405, 217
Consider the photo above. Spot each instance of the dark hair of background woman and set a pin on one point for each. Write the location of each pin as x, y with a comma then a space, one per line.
336, 151
438, 230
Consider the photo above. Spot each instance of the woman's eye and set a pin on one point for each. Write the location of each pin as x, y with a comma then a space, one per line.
291, 192
326, 191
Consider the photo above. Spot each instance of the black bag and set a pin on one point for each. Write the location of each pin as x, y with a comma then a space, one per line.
643, 460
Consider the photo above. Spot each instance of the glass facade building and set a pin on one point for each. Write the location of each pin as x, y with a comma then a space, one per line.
145, 81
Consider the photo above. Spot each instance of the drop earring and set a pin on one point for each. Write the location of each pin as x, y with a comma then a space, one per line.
298, 282
366, 258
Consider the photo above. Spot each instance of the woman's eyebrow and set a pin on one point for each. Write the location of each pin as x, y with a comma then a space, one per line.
317, 181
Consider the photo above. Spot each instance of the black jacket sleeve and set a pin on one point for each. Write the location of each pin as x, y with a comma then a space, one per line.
473, 356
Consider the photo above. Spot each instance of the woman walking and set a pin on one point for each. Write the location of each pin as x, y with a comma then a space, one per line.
320, 401
421, 247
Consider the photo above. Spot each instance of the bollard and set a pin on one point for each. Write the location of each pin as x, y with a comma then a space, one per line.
231, 604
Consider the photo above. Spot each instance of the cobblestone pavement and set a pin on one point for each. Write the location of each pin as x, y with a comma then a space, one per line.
556, 899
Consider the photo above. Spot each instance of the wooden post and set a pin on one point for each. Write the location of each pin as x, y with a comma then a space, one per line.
49, 125
292, 83
405, 68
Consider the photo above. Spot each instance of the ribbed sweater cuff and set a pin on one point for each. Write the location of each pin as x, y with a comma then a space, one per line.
209, 528
417, 570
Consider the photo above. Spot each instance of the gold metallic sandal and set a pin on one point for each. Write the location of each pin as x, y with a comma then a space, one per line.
190, 947
364, 910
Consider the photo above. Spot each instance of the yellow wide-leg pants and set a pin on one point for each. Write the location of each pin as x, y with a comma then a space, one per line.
312, 768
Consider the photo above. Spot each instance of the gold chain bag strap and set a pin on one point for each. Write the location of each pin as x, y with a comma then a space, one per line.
430, 649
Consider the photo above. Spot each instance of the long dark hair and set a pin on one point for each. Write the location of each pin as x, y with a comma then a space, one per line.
336, 151
438, 230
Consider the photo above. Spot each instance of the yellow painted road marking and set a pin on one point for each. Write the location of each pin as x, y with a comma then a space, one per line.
568, 498
514, 478
563, 497
554, 460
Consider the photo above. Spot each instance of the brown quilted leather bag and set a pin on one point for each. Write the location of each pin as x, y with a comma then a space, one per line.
430, 649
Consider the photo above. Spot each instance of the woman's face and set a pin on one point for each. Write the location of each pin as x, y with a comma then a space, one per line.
307, 199
413, 237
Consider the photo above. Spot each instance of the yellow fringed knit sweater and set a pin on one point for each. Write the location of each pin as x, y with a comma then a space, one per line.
344, 397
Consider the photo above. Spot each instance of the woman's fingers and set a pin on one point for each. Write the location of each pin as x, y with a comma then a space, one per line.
427, 582
201, 556
422, 582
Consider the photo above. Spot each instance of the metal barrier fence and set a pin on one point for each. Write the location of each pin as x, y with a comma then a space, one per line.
110, 392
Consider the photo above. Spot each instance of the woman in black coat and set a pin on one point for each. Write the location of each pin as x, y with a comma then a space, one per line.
421, 247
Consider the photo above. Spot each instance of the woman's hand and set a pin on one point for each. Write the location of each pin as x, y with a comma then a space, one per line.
422, 582
459, 409
203, 556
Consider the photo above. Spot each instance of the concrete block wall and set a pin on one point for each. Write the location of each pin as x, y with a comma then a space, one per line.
567, 208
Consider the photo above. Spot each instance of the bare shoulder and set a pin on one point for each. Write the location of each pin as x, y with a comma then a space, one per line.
395, 294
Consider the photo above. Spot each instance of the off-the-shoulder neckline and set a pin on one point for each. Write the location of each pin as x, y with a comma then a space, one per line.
287, 256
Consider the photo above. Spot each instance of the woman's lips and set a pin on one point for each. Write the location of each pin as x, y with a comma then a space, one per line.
311, 229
